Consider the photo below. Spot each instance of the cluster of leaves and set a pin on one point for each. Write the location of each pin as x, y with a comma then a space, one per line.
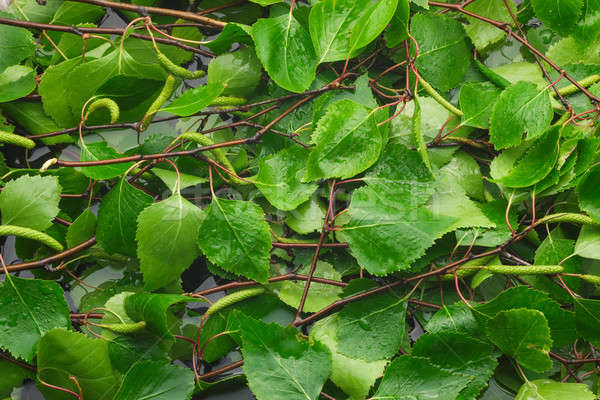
346, 170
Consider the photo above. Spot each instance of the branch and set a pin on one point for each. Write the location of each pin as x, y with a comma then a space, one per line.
80, 31
280, 278
143, 11
48, 260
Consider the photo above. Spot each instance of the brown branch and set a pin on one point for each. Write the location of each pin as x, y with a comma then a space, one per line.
308, 245
280, 278
144, 11
78, 316
80, 31
133, 125
48, 260
148, 157
17, 362
313, 264
219, 371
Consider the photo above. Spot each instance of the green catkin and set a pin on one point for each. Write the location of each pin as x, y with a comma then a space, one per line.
495, 78
570, 89
222, 101
462, 272
109, 104
164, 95
233, 298
241, 114
125, 328
572, 218
595, 279
16, 140
525, 269
178, 71
218, 154
27, 233
507, 270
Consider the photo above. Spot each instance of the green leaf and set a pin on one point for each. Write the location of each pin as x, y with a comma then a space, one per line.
194, 100
371, 23
588, 27
31, 10
462, 354
15, 82
588, 192
117, 217
62, 354
418, 134
483, 34
133, 95
73, 13
169, 178
280, 178
559, 15
31, 116
285, 50
87, 78
409, 377
82, 228
347, 142
398, 28
553, 251
444, 52
30, 201
101, 151
523, 335
385, 237
355, 377
373, 328
451, 200
476, 102
238, 72
320, 295
513, 72
16, 44
389, 228
280, 364
177, 220
153, 308
528, 164
588, 242
464, 172
156, 380
561, 322
54, 92
29, 308
13, 376
232, 33
587, 320
307, 218
455, 317
331, 23
127, 349
340, 29
520, 108
235, 236
546, 389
